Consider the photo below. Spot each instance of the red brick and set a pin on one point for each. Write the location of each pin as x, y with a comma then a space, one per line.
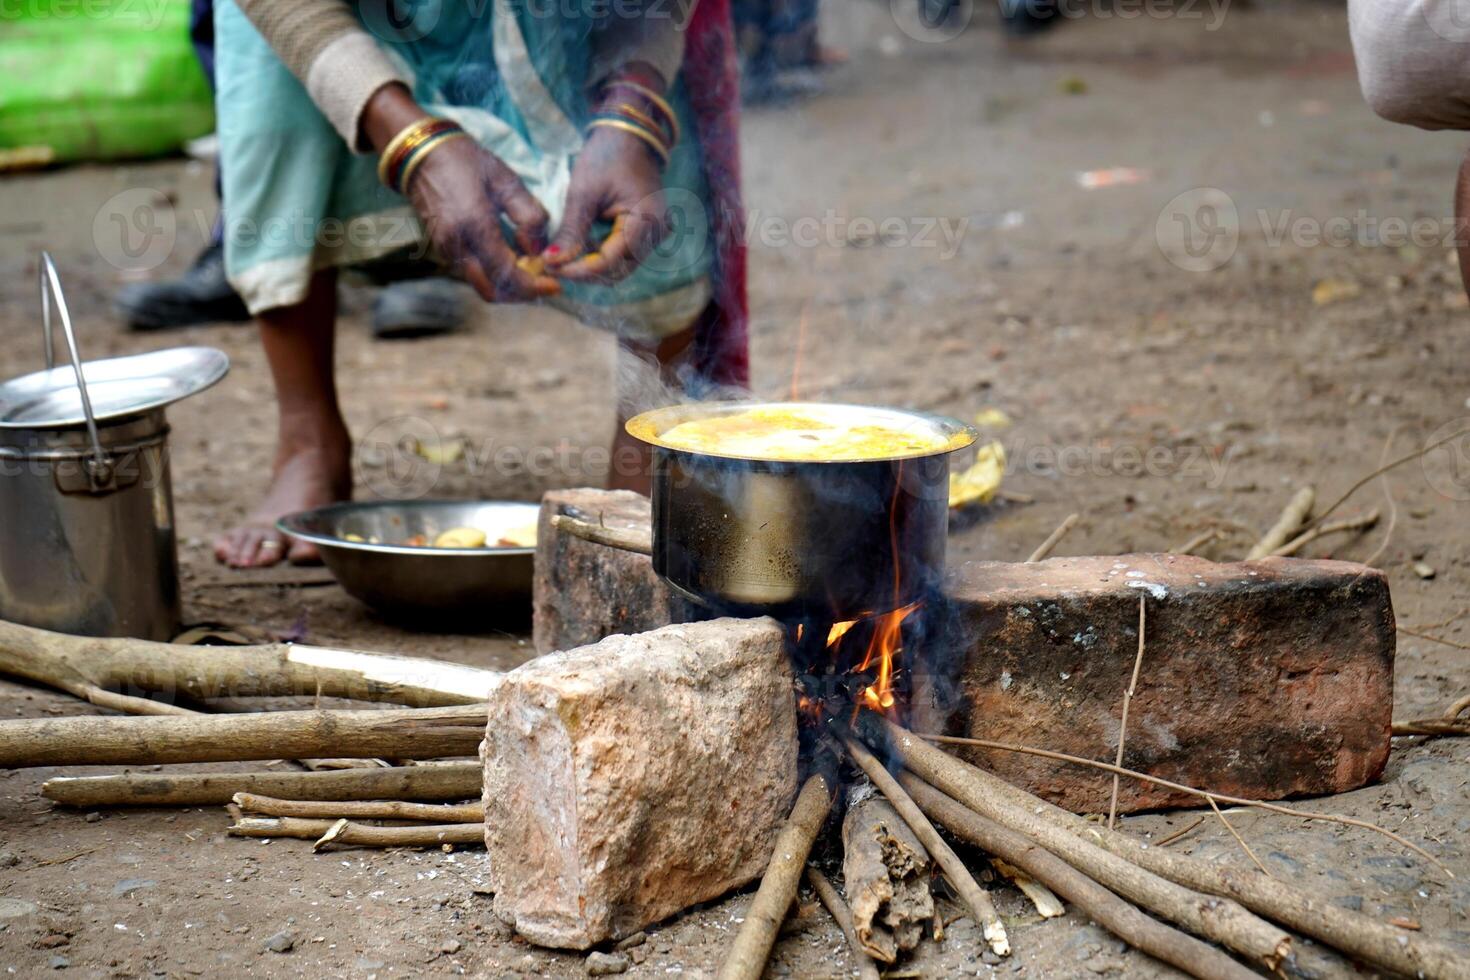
584, 592
1262, 679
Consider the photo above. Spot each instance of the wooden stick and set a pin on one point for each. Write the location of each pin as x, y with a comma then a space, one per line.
326, 832
1128, 700
1358, 935
1179, 834
1223, 921
362, 809
1233, 833
449, 781
274, 669
1450, 724
1296, 513
1055, 538
1182, 788
406, 733
1432, 638
1384, 468
1203, 538
1321, 530
1047, 905
885, 875
1122, 919
867, 969
626, 539
975, 897
747, 957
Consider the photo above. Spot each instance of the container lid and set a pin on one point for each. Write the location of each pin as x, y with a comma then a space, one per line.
120, 387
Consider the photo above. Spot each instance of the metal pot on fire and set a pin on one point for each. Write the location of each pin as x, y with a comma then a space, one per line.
800, 510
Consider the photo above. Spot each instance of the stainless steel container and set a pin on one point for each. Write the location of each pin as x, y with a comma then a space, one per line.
87, 540
833, 540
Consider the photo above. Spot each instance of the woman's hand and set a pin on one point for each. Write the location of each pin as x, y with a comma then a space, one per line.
616, 177
460, 192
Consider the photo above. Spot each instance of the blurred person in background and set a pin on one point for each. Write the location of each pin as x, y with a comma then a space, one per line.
778, 40
588, 162
1413, 61
203, 294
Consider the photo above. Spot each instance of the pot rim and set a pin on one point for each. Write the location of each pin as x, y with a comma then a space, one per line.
650, 426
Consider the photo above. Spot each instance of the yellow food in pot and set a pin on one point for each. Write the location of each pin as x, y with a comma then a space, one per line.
799, 435
461, 537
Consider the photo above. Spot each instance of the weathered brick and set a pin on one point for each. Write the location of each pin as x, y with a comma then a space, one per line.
583, 591
628, 780
1262, 679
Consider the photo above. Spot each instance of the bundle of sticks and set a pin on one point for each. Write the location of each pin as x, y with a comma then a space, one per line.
1206, 919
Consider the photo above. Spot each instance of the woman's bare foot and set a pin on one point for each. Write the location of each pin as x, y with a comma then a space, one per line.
308, 474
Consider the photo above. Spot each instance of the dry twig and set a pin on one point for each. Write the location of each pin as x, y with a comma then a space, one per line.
1097, 903
1296, 513
1179, 834
1180, 787
1358, 935
1433, 639
1127, 700
867, 969
1384, 469
747, 957
1322, 530
1238, 839
362, 809
1199, 540
446, 781
1055, 538
975, 897
1450, 724
326, 832
625, 539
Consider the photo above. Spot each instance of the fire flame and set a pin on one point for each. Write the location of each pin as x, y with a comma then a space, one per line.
882, 653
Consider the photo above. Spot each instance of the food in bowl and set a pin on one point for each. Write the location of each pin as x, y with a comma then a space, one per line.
800, 433
461, 537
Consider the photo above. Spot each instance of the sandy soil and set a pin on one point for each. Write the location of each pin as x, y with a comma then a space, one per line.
1155, 400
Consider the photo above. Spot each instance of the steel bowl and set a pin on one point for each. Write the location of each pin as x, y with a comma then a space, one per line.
463, 587
834, 539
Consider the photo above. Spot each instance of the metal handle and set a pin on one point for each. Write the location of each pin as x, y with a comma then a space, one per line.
99, 471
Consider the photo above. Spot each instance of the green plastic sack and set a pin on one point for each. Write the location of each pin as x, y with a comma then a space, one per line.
100, 79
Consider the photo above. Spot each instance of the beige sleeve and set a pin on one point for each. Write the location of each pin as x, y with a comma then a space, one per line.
656, 38
324, 44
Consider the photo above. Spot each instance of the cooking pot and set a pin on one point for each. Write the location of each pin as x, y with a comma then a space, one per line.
825, 540
87, 541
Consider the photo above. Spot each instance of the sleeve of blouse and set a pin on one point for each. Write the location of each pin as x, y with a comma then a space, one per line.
324, 44
655, 38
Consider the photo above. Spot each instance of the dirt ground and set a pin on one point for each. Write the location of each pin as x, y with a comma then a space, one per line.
1155, 391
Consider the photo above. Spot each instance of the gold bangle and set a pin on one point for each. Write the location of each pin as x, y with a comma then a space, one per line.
640, 117
638, 131
408, 137
423, 154
655, 98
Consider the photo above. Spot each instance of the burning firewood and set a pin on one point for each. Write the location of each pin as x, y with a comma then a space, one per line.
438, 781
885, 874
